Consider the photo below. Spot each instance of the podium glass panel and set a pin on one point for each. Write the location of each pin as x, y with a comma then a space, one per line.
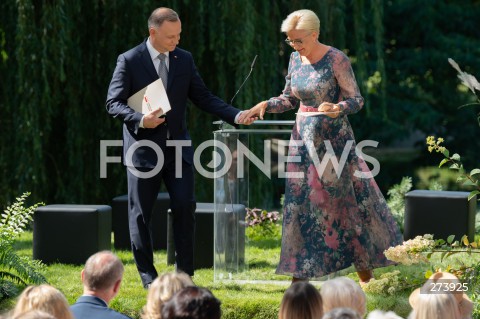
232, 189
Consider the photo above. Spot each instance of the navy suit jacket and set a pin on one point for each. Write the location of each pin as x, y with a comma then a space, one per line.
134, 71
91, 307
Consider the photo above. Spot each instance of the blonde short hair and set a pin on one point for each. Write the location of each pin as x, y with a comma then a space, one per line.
440, 305
464, 304
46, 298
343, 292
162, 290
34, 314
301, 20
342, 313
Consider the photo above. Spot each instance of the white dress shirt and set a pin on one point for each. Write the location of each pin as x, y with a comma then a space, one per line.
156, 62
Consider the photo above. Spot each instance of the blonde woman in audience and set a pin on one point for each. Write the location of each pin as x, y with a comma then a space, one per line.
343, 292
43, 297
429, 299
34, 314
438, 305
301, 300
379, 314
161, 290
341, 313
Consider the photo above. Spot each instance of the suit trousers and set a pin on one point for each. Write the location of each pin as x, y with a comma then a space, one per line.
142, 194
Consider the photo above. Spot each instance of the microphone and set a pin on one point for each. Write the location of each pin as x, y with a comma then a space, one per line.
251, 69
254, 61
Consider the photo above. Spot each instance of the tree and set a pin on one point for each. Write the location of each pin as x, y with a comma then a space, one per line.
57, 59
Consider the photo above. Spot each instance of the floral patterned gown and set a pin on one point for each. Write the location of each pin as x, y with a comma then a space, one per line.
332, 218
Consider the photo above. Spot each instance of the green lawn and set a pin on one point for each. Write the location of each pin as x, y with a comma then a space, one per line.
256, 299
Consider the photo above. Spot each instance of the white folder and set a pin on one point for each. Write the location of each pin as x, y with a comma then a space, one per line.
151, 97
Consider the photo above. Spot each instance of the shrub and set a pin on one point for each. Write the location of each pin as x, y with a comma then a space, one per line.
261, 223
16, 270
396, 199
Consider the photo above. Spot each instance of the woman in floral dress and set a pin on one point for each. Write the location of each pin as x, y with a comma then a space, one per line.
334, 212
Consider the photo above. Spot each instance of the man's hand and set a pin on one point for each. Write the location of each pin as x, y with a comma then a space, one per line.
333, 109
248, 120
247, 117
152, 120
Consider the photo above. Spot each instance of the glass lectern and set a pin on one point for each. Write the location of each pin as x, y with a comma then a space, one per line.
231, 194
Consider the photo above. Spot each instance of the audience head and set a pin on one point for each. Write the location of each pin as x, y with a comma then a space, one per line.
424, 301
43, 297
192, 303
441, 305
343, 292
301, 300
34, 314
161, 290
379, 314
102, 275
341, 313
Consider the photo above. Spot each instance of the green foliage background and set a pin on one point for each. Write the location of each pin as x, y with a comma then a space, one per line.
57, 58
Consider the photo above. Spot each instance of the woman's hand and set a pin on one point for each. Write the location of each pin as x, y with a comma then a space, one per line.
332, 109
254, 113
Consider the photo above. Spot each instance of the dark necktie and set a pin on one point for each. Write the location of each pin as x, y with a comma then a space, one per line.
162, 70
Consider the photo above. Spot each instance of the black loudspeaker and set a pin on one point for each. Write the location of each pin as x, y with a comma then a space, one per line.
440, 213
203, 249
158, 224
71, 233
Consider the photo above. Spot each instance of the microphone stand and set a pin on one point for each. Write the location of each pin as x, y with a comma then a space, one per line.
251, 69
225, 181
221, 122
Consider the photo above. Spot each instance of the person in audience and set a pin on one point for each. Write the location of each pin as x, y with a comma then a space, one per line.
33, 314
379, 314
341, 313
429, 300
192, 303
161, 290
301, 300
343, 292
435, 305
43, 297
101, 278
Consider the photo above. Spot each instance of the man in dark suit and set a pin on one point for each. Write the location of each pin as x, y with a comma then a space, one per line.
163, 150
102, 278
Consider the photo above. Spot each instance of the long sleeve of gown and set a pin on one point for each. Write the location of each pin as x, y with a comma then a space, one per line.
351, 100
286, 101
